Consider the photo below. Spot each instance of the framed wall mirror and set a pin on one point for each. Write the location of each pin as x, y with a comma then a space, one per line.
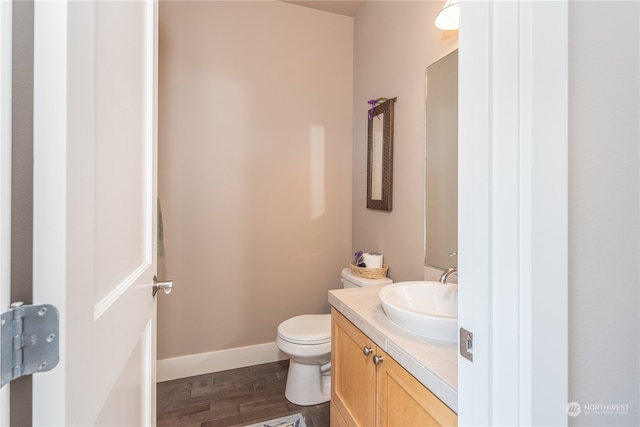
441, 170
380, 156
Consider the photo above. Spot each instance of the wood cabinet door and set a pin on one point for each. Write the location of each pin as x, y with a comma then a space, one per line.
353, 386
336, 419
403, 401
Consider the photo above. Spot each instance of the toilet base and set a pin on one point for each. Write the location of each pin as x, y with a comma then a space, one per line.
307, 384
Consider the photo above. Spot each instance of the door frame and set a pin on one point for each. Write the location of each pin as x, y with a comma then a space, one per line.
513, 207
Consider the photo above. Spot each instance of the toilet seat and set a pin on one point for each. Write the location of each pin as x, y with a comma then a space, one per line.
307, 329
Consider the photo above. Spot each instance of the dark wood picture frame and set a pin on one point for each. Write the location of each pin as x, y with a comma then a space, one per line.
380, 158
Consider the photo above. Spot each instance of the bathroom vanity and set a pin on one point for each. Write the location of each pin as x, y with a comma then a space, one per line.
383, 375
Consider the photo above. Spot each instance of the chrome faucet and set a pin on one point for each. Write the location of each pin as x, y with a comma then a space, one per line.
448, 272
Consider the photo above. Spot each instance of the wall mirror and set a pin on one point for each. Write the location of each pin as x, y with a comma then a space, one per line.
441, 176
380, 156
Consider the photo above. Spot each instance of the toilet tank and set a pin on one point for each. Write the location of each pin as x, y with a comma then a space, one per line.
350, 280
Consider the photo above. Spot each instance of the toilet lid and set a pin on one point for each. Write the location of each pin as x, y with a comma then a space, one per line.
306, 329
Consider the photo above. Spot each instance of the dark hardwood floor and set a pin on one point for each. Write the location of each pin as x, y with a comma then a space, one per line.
233, 398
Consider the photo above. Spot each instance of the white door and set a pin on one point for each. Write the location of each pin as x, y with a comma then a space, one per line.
5, 176
95, 208
513, 212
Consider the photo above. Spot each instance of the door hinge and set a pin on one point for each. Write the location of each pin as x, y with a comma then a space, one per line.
466, 344
30, 340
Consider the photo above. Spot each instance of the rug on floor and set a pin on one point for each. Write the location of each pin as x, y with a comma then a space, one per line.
295, 420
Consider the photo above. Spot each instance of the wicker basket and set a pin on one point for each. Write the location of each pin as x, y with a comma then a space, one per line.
369, 273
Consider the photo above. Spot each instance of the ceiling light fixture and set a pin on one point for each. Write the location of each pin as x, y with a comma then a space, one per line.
449, 17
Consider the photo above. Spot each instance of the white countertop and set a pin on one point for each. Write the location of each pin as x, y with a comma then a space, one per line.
433, 362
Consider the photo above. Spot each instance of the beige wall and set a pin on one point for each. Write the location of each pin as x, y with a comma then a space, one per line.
255, 122
394, 42
604, 210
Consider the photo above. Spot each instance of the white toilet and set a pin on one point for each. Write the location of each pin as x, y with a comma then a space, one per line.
306, 340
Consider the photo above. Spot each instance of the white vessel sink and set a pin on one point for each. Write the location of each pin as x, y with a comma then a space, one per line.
428, 309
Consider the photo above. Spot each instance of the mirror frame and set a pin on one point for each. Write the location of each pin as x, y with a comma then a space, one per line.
383, 204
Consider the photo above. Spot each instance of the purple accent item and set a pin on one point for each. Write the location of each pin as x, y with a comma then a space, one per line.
373, 103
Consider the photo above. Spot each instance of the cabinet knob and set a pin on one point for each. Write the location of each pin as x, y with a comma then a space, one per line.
367, 350
377, 359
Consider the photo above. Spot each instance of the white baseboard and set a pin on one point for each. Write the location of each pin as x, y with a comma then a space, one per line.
216, 361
